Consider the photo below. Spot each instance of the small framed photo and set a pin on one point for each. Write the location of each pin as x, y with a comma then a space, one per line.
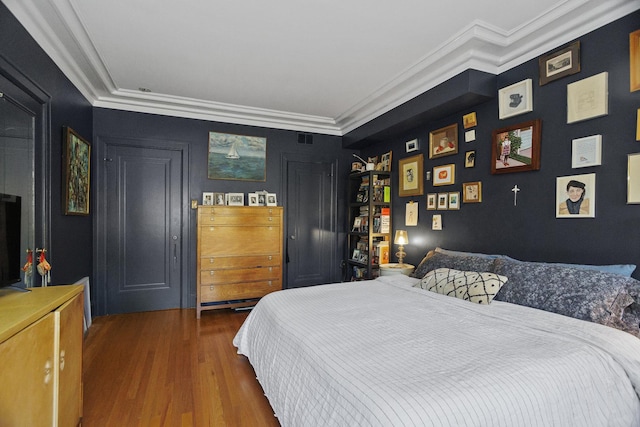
443, 201
431, 201
469, 120
516, 148
253, 199
272, 200
436, 222
235, 199
454, 200
443, 141
472, 192
218, 199
208, 199
470, 159
410, 176
588, 98
559, 63
412, 145
586, 151
515, 99
576, 196
356, 255
444, 175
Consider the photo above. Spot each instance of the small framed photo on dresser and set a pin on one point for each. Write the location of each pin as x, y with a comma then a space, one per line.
235, 199
272, 200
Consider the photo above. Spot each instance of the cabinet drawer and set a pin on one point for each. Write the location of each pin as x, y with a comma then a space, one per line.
245, 215
212, 293
237, 239
216, 262
239, 220
217, 277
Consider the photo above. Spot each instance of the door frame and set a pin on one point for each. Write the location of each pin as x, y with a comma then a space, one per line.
100, 208
285, 158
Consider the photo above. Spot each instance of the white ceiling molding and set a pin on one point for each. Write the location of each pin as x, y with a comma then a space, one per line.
56, 27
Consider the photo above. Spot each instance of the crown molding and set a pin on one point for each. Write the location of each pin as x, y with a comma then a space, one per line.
57, 29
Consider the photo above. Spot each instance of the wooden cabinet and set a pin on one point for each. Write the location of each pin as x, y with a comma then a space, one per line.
369, 240
41, 356
239, 255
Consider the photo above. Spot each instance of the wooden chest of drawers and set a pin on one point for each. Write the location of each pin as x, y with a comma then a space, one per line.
239, 255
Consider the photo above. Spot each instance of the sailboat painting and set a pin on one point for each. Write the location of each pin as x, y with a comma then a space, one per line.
237, 157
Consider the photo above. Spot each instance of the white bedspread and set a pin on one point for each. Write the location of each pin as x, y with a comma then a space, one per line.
382, 353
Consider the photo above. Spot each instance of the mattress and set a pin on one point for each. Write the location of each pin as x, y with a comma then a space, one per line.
384, 353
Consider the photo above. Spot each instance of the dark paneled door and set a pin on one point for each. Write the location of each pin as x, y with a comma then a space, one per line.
311, 225
143, 229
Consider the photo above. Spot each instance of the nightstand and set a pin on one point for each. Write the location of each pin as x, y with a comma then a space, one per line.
395, 268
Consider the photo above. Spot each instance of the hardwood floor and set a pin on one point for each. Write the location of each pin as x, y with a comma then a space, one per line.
165, 368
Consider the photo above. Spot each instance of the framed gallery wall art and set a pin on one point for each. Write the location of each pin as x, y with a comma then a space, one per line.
472, 192
576, 196
444, 175
634, 60
559, 63
443, 142
410, 176
515, 99
237, 157
77, 168
633, 179
516, 148
588, 98
586, 151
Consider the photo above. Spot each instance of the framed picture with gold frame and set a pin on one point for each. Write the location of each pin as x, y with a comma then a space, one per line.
634, 60
443, 141
77, 168
410, 176
444, 175
472, 192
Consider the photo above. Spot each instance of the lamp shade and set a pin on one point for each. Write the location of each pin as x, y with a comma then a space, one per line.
401, 237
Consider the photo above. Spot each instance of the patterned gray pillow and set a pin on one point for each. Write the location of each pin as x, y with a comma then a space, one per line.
464, 263
584, 294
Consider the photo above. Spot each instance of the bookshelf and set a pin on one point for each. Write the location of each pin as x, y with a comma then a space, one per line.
369, 236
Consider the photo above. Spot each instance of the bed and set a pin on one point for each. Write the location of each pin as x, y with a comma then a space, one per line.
389, 352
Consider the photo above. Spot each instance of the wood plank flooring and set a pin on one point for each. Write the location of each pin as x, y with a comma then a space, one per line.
165, 368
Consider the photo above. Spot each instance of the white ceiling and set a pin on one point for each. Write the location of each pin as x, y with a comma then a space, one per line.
325, 66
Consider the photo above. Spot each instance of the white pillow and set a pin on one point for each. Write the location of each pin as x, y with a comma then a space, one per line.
467, 285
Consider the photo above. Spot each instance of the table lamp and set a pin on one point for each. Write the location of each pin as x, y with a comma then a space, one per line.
401, 239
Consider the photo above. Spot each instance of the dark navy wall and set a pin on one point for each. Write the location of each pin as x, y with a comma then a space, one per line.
530, 230
195, 133
71, 236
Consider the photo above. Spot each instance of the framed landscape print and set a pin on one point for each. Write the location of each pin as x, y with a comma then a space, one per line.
516, 148
515, 99
410, 176
237, 157
77, 168
560, 63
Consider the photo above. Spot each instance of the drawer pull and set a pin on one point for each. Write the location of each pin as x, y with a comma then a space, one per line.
211, 273
211, 287
270, 283
270, 219
270, 257
270, 268
210, 260
211, 228
211, 219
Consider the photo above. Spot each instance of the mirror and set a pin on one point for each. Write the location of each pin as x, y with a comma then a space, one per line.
17, 170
